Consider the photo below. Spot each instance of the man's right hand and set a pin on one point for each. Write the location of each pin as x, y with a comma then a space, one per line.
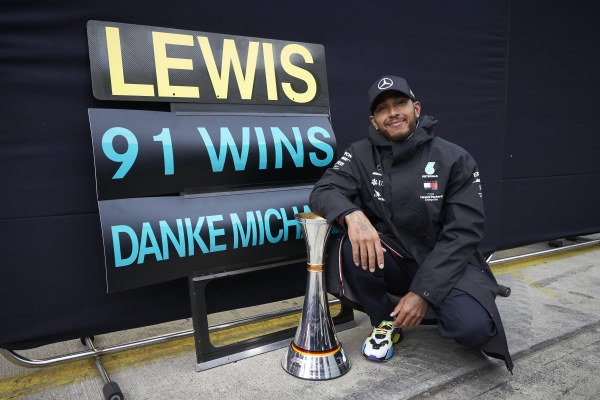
366, 246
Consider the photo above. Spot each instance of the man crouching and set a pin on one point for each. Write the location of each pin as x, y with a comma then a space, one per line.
417, 230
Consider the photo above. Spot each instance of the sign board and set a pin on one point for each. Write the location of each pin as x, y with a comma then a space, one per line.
245, 176
191, 192
155, 239
145, 63
149, 153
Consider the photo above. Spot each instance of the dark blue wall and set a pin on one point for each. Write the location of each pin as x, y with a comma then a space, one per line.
515, 83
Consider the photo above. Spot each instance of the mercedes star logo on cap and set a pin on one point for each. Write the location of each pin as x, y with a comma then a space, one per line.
384, 83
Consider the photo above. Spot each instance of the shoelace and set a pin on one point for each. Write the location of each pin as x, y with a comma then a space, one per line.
383, 330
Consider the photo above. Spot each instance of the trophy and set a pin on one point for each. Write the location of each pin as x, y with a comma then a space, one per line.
315, 353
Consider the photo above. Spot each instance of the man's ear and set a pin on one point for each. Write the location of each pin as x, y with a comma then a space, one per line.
372, 119
417, 108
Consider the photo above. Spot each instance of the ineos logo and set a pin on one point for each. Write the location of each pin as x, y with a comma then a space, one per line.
384, 83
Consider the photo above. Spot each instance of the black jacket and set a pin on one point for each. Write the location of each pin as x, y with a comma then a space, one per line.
423, 195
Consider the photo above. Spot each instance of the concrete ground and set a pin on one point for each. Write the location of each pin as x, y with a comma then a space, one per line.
552, 321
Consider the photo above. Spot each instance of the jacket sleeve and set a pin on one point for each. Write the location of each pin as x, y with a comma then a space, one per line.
461, 231
335, 192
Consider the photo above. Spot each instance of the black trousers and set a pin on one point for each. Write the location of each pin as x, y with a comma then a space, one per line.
460, 317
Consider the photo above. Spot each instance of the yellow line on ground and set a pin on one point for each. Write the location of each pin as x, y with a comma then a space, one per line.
64, 374
49, 377
508, 267
31, 382
534, 283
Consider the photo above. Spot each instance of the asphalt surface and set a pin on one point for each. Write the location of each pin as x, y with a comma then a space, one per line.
552, 319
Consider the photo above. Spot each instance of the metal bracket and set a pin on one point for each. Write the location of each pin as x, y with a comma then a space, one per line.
248, 109
209, 356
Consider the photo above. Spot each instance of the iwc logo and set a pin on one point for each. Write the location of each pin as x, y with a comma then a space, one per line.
385, 83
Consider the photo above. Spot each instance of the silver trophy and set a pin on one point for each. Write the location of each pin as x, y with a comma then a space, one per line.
315, 353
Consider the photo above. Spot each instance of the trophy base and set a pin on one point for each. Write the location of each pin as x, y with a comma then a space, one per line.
316, 366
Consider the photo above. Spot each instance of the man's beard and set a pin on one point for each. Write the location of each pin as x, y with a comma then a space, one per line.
411, 128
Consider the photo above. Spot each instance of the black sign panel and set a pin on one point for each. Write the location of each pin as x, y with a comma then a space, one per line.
151, 240
143, 153
224, 190
145, 63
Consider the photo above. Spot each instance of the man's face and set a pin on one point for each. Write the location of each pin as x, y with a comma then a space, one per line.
395, 116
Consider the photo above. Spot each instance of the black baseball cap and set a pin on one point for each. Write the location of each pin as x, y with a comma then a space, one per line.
385, 84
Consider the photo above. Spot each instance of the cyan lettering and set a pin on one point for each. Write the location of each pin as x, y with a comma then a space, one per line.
148, 235
227, 141
262, 148
270, 237
167, 236
210, 220
238, 230
319, 144
297, 153
288, 223
195, 236
119, 260
261, 228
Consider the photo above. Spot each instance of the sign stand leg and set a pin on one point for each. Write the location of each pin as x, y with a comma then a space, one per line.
111, 389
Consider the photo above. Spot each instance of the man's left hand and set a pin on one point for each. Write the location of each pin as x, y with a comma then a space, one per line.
410, 310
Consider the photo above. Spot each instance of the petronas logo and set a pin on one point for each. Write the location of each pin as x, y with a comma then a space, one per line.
429, 168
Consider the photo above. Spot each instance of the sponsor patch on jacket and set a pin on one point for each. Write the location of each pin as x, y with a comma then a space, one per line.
431, 185
430, 168
432, 197
347, 157
478, 181
430, 171
378, 196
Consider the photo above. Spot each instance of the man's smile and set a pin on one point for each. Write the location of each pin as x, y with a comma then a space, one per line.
396, 122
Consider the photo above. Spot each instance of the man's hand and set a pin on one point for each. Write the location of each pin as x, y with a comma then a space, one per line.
366, 247
410, 310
